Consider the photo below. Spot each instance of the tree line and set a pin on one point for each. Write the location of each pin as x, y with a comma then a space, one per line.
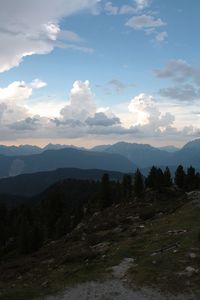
57, 211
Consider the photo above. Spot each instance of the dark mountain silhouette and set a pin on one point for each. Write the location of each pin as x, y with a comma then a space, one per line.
33, 184
63, 158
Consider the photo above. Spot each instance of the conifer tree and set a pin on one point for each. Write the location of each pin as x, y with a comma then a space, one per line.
167, 177
105, 191
138, 185
127, 186
180, 177
191, 179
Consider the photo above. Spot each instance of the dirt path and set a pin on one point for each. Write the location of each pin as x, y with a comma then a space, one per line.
111, 290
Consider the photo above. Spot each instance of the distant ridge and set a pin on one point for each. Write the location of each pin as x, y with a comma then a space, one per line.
33, 184
63, 158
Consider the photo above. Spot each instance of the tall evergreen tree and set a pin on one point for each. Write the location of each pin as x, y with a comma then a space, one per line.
151, 178
180, 177
127, 186
138, 185
105, 191
167, 177
191, 179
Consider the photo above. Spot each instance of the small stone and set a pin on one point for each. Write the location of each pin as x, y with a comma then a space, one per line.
192, 255
190, 271
45, 283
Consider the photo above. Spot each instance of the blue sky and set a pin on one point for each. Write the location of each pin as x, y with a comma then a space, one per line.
90, 72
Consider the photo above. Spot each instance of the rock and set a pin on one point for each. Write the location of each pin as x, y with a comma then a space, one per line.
177, 232
79, 226
48, 261
194, 195
190, 271
118, 229
192, 255
45, 283
120, 270
101, 248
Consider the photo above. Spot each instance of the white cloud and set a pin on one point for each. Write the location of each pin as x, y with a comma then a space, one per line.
144, 22
111, 9
161, 36
32, 27
13, 100
136, 7
148, 113
38, 84
18, 91
81, 118
81, 102
142, 4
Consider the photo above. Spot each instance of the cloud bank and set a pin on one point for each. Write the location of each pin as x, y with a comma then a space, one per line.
32, 27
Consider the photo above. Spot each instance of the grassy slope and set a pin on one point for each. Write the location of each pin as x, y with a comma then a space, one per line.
72, 260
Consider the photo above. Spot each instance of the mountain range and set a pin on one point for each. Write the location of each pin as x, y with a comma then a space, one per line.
63, 158
122, 157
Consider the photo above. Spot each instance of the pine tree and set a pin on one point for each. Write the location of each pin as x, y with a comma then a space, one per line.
180, 177
167, 177
127, 186
191, 179
138, 185
151, 178
105, 191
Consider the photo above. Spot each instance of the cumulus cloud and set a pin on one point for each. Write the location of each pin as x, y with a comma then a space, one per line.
81, 102
81, 118
13, 100
149, 116
20, 90
32, 27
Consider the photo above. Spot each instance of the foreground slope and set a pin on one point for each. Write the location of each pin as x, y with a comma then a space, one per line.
159, 234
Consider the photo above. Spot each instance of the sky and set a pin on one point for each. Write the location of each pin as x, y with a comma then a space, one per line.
90, 72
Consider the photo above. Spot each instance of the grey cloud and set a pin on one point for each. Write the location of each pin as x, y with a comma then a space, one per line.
100, 119
180, 71
30, 124
185, 92
144, 22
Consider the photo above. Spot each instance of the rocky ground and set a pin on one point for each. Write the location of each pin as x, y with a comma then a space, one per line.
153, 244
